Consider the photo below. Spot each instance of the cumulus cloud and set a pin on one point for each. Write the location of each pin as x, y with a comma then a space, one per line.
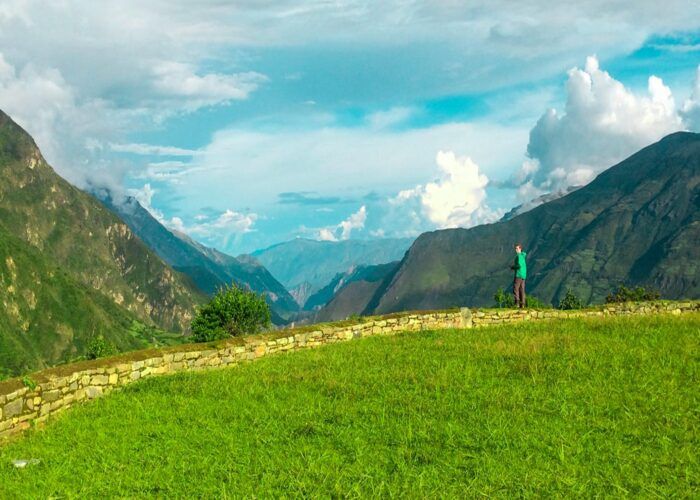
602, 123
456, 199
344, 229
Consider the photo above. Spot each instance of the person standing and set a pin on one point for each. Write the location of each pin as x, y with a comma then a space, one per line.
520, 268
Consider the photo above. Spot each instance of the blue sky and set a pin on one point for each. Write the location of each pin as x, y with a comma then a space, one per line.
249, 123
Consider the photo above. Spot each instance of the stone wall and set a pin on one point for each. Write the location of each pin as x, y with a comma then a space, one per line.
33, 399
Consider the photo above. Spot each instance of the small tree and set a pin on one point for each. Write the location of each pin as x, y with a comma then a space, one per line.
570, 301
504, 300
99, 347
231, 312
638, 294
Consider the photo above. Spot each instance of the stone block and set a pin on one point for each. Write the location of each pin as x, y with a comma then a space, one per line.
13, 408
93, 391
99, 380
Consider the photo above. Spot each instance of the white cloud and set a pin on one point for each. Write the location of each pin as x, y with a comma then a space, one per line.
344, 229
145, 198
691, 107
180, 80
254, 167
67, 129
456, 199
151, 149
219, 231
603, 123
389, 118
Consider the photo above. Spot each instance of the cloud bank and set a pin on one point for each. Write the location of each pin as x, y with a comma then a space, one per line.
602, 123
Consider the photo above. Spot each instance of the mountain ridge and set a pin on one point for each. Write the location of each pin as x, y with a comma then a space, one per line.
635, 223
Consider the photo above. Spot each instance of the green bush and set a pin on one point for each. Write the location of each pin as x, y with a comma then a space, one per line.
29, 382
536, 303
503, 299
98, 347
232, 311
570, 301
638, 294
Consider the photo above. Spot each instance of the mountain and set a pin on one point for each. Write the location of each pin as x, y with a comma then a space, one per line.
638, 222
207, 267
48, 316
312, 264
70, 268
348, 293
78, 233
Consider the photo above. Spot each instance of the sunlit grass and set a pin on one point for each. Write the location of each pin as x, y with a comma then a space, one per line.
578, 408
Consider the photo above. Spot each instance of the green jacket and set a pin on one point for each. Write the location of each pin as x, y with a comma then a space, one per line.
520, 265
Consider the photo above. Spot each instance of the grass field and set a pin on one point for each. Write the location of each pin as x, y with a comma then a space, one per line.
569, 408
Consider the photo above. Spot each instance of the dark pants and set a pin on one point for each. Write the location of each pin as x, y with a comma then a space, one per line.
519, 292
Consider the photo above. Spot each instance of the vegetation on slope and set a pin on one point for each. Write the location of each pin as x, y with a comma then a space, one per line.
581, 408
77, 233
48, 317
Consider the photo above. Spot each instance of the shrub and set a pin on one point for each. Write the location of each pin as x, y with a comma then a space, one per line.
503, 299
98, 347
232, 311
638, 294
536, 303
570, 301
29, 382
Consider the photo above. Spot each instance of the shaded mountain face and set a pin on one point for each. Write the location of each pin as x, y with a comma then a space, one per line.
349, 293
636, 223
208, 268
313, 264
75, 231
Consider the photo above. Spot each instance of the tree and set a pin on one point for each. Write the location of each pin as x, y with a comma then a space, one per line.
639, 294
231, 312
503, 299
570, 301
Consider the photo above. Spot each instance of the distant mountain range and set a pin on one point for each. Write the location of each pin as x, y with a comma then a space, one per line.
70, 268
305, 266
207, 267
637, 223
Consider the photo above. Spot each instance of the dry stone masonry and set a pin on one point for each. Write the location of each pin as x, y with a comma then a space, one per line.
33, 399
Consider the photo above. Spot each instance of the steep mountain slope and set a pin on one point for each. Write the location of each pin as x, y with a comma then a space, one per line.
75, 231
638, 222
313, 264
349, 293
47, 316
207, 267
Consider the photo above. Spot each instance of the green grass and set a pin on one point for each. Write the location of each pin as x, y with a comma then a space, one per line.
568, 408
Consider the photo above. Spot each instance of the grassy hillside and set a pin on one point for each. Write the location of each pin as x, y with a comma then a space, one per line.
577, 408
